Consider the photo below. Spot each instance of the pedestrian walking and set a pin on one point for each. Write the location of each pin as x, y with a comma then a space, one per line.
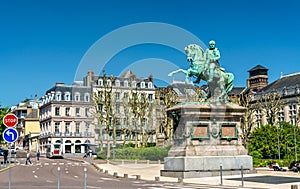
38, 155
28, 158
5, 156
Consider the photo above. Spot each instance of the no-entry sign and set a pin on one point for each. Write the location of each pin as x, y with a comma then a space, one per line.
10, 120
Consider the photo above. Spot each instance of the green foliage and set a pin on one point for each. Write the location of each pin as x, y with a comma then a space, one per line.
130, 153
3, 112
265, 140
256, 154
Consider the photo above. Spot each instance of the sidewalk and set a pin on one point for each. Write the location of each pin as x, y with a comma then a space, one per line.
152, 172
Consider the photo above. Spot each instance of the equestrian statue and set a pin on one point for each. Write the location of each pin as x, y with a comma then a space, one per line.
205, 66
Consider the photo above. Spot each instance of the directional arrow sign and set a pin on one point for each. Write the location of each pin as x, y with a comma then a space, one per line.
10, 135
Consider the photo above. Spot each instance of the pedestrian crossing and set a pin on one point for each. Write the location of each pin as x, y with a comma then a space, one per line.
162, 185
54, 164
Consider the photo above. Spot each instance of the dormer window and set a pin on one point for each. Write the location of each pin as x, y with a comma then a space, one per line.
77, 97
67, 96
86, 97
142, 84
100, 82
126, 83
117, 83
58, 96
108, 82
133, 84
150, 85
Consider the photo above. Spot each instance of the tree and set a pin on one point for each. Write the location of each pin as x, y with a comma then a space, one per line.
271, 103
167, 98
103, 100
247, 121
3, 112
264, 139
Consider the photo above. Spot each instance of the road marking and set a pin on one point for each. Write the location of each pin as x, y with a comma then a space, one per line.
104, 178
46, 164
35, 176
93, 187
76, 176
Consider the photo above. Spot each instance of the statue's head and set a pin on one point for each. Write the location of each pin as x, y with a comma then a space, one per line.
212, 44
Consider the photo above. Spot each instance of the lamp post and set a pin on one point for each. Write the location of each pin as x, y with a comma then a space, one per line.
295, 143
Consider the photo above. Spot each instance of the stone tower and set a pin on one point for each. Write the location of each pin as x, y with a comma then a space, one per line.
258, 78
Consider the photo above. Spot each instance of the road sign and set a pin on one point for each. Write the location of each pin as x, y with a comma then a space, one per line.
10, 135
10, 120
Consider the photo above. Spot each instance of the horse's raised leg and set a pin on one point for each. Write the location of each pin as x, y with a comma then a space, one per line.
177, 71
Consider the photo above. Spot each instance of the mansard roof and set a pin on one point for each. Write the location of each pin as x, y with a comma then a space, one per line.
287, 81
181, 88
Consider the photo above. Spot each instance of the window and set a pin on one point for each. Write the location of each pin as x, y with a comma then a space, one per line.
150, 85
57, 111
133, 84
68, 111
117, 108
125, 95
142, 84
77, 127
117, 83
86, 97
100, 82
150, 97
67, 96
258, 117
100, 107
125, 83
293, 113
58, 96
56, 127
87, 112
67, 128
77, 97
117, 96
281, 115
108, 83
78, 112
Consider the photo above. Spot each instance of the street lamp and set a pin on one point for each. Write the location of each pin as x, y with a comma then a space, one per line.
295, 143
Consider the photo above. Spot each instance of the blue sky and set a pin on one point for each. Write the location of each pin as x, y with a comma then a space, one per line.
44, 42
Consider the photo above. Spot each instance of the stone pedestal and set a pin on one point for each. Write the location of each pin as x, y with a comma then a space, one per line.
206, 136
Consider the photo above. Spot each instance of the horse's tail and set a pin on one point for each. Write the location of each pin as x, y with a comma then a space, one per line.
229, 85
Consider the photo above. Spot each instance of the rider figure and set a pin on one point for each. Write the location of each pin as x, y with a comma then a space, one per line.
212, 57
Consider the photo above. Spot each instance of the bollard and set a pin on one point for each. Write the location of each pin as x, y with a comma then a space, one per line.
125, 175
221, 174
180, 180
159, 161
135, 162
242, 174
58, 177
106, 171
294, 186
101, 170
138, 177
107, 161
148, 162
115, 174
157, 179
85, 175
122, 162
